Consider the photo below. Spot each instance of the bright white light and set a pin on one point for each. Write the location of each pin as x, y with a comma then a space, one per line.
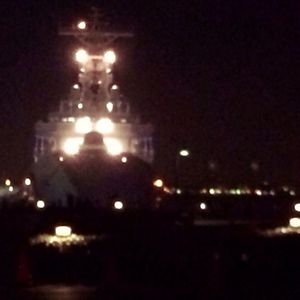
258, 192
211, 191
109, 106
202, 206
158, 183
104, 126
124, 159
61, 158
40, 204
7, 182
109, 57
184, 152
178, 191
80, 105
113, 146
76, 86
118, 205
63, 231
295, 222
114, 87
81, 25
27, 181
292, 193
81, 56
11, 188
297, 207
72, 145
108, 71
83, 125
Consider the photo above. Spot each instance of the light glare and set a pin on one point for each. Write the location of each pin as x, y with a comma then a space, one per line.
83, 125
40, 204
104, 126
109, 57
297, 207
27, 181
72, 145
63, 231
113, 146
184, 152
81, 25
109, 106
295, 222
158, 183
81, 56
118, 205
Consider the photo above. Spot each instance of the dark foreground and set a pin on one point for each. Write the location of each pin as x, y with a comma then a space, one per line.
147, 256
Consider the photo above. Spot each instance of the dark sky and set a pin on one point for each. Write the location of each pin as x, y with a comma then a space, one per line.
218, 77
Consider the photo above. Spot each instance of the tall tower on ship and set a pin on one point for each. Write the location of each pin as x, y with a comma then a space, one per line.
94, 102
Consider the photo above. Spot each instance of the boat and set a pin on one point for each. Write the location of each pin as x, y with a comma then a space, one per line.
93, 129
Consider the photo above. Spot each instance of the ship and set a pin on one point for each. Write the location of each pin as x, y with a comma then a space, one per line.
93, 130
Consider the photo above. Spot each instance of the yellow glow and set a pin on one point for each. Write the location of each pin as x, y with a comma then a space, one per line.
7, 182
63, 231
81, 25
109, 106
109, 57
295, 222
202, 206
184, 152
118, 205
158, 183
40, 204
72, 145
113, 146
27, 181
81, 56
83, 125
104, 126
297, 207
124, 159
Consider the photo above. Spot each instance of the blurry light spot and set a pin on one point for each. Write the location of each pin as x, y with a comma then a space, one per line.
81, 25
27, 181
80, 105
11, 188
297, 207
124, 159
40, 204
184, 152
295, 222
158, 183
63, 230
203, 206
118, 205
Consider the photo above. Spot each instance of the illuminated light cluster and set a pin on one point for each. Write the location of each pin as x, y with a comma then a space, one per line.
63, 231
158, 183
81, 25
27, 181
118, 205
40, 204
294, 222
113, 146
72, 145
104, 126
83, 125
81, 56
109, 106
109, 57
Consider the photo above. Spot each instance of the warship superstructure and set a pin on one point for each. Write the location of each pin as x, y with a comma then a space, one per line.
95, 102
93, 150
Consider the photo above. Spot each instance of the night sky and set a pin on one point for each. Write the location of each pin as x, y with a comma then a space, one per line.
218, 77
